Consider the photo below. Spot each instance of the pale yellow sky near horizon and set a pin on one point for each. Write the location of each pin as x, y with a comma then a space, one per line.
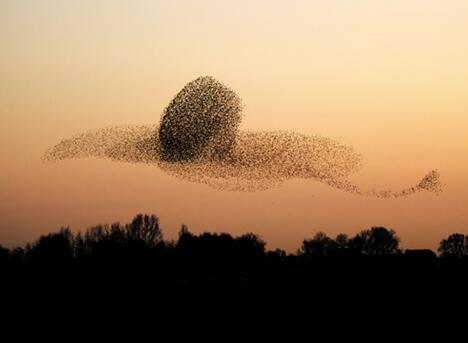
387, 77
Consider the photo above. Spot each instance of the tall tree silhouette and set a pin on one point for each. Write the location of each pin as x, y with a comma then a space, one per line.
145, 228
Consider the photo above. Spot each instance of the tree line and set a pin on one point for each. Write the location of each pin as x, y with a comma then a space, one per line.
143, 238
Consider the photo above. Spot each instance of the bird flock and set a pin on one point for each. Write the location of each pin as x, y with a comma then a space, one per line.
199, 140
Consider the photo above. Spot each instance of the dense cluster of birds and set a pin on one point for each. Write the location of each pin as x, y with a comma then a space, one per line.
199, 140
204, 116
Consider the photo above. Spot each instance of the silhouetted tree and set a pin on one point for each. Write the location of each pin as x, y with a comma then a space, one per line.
456, 245
184, 230
277, 255
94, 235
135, 253
145, 228
54, 248
249, 248
17, 255
214, 244
376, 241
79, 246
342, 241
94, 242
4, 255
319, 245
186, 239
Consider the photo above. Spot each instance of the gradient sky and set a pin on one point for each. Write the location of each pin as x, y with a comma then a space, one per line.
387, 77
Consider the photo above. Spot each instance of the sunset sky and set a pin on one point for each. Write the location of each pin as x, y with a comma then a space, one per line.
389, 78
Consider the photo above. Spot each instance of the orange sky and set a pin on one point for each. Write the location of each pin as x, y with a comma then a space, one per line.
387, 77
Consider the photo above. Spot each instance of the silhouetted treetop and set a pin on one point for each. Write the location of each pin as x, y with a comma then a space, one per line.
319, 245
114, 265
342, 241
54, 248
376, 241
456, 245
145, 228
139, 249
